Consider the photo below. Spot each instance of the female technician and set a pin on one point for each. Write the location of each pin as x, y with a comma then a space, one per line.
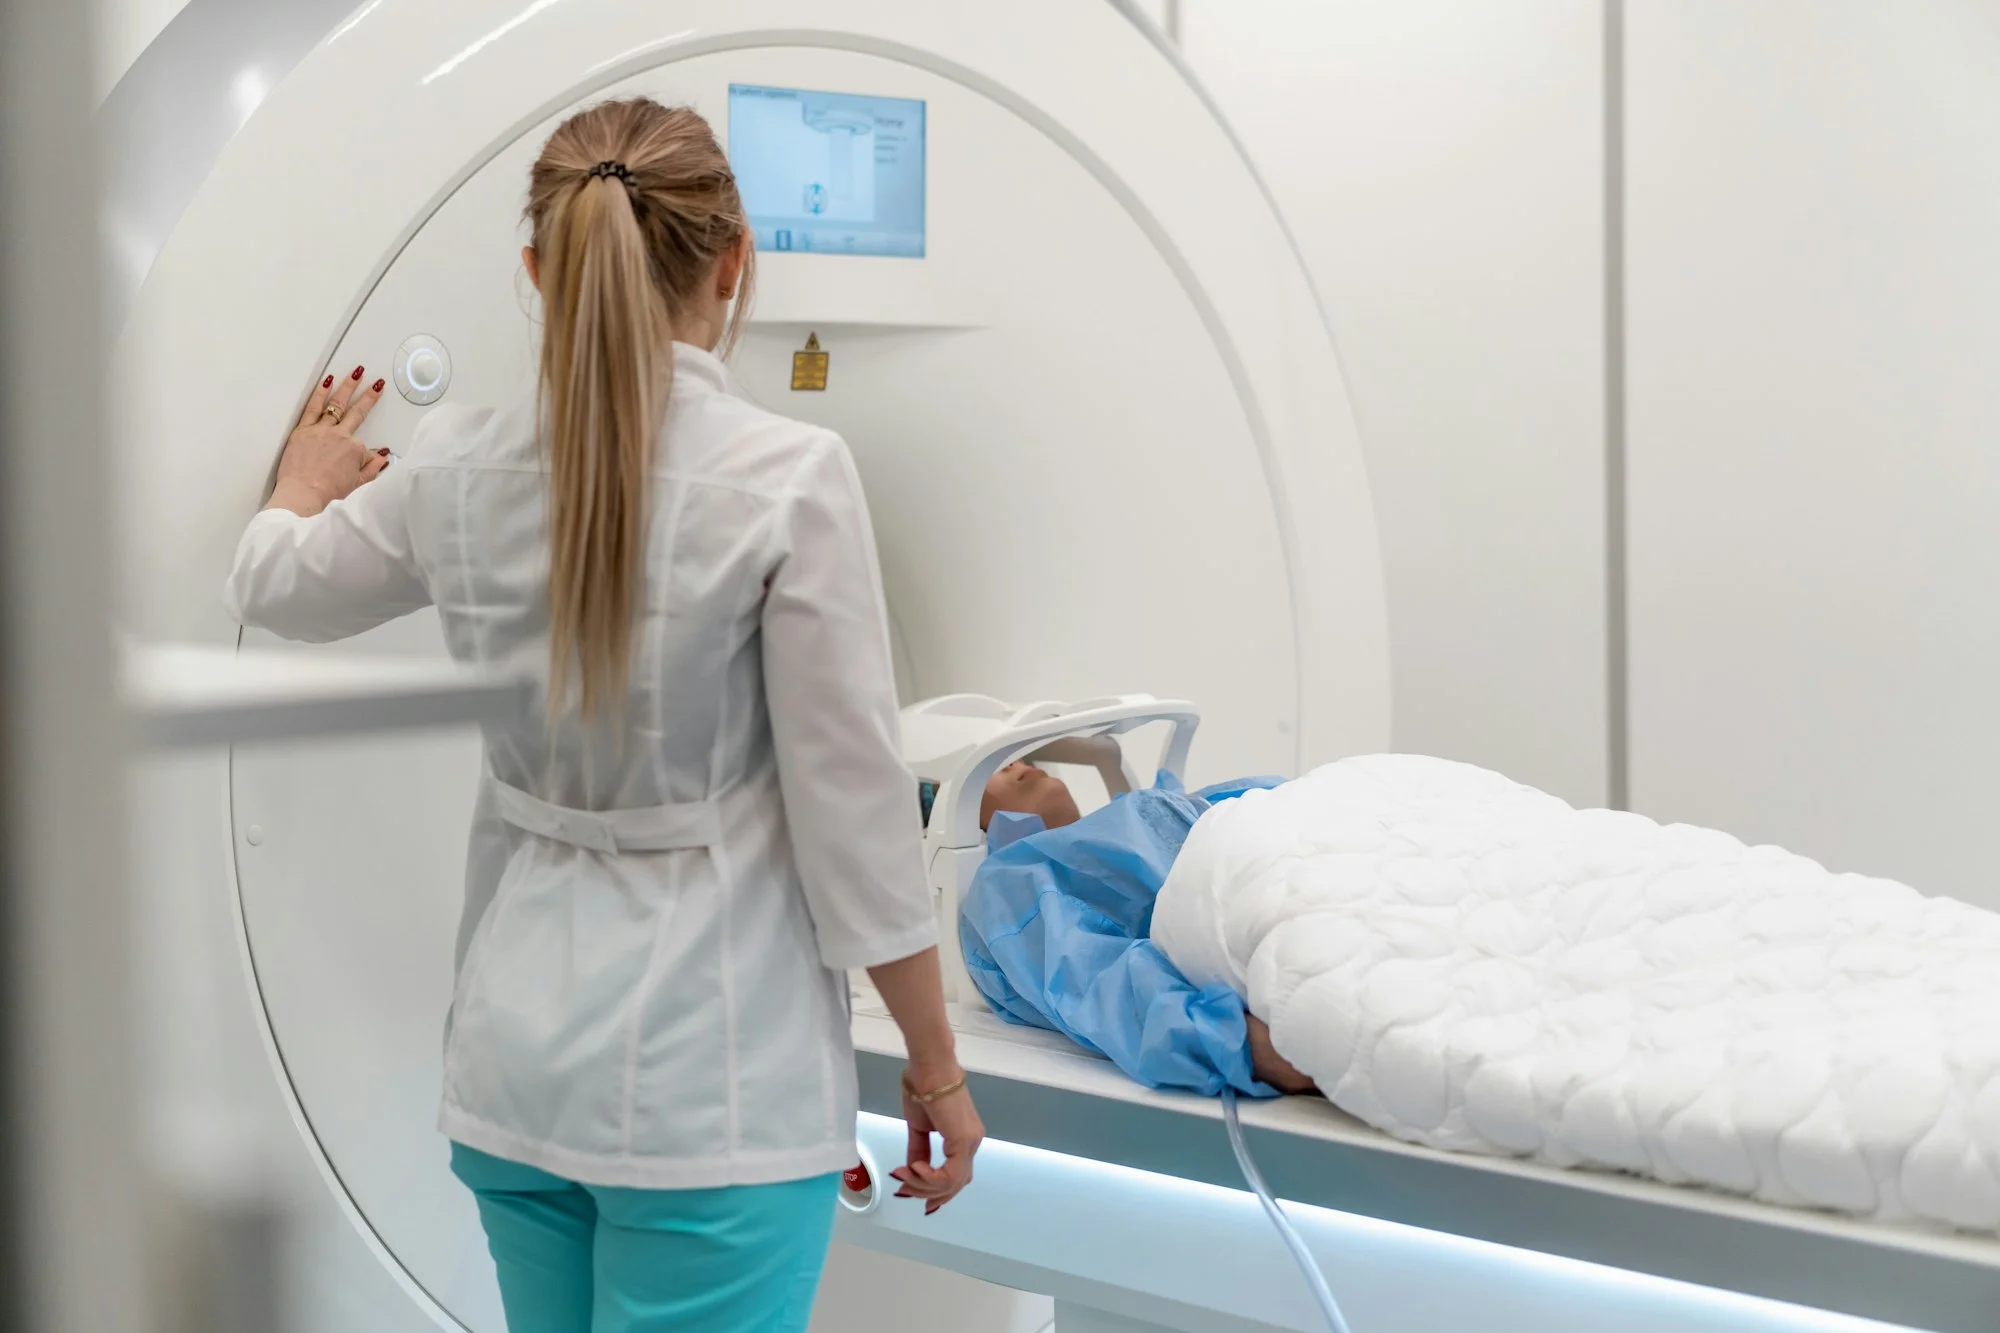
648, 1079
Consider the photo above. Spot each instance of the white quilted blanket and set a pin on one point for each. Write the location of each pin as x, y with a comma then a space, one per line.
1471, 964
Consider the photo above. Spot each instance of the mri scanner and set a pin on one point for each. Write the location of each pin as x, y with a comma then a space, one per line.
1108, 447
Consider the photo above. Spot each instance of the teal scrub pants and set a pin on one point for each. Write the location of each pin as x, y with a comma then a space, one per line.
587, 1259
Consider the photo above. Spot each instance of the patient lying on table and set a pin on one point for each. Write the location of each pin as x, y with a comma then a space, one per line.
1055, 928
1473, 965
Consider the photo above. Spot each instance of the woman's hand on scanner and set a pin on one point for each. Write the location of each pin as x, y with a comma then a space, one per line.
1270, 1067
323, 462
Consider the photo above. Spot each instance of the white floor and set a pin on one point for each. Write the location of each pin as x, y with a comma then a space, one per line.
877, 1293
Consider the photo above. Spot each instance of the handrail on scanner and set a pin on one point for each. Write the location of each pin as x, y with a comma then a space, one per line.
978, 736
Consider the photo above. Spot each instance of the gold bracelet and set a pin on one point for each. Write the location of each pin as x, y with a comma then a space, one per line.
926, 1098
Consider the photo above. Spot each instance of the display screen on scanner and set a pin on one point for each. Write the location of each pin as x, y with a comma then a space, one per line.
829, 173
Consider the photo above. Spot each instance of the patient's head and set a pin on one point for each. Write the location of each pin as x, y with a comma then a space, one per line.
1024, 789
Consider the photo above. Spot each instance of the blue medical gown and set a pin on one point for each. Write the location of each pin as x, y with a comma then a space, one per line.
1054, 929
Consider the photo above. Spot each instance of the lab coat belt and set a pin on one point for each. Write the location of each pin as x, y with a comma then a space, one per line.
653, 828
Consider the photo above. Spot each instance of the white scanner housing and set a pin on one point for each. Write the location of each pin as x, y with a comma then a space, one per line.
1100, 420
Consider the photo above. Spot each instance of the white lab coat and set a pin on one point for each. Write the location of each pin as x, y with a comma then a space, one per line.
659, 909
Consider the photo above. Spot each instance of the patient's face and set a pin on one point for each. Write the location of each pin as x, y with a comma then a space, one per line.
1026, 790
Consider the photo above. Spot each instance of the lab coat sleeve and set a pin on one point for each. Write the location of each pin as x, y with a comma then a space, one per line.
347, 569
830, 683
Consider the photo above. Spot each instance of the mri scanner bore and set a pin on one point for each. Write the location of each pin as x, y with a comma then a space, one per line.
1129, 397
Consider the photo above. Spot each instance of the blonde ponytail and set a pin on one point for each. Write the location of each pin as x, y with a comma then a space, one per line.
631, 205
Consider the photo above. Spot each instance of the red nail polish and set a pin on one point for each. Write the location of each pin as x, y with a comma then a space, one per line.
381, 453
378, 386
357, 372
327, 383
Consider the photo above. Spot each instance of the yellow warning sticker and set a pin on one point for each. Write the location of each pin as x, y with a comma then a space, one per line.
809, 366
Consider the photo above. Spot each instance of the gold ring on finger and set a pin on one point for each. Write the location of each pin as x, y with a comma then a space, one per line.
332, 410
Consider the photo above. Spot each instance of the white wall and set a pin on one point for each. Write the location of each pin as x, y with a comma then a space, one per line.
1815, 432
1441, 164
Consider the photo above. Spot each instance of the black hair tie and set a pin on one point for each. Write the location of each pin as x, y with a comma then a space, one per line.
603, 169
